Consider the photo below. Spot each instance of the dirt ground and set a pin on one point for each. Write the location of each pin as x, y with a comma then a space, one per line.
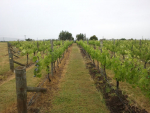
40, 101
116, 101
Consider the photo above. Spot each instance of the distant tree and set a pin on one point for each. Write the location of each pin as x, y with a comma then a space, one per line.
65, 35
29, 39
81, 36
72, 38
122, 39
131, 39
93, 37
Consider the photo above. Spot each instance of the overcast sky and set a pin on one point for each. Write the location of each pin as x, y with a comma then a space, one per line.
45, 19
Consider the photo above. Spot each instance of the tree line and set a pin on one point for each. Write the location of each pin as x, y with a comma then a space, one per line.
65, 35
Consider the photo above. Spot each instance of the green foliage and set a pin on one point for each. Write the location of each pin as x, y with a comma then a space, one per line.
129, 68
51, 56
107, 89
122, 39
93, 37
65, 35
29, 39
39, 47
80, 36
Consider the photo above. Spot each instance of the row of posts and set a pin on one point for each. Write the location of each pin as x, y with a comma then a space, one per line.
11, 60
21, 83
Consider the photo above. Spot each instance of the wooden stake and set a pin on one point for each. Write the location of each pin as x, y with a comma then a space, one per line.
22, 89
11, 63
21, 86
52, 57
63, 45
27, 59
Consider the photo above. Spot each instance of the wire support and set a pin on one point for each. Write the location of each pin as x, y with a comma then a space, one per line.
121, 100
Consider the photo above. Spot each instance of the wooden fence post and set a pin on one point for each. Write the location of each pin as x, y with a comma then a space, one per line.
102, 70
27, 58
57, 61
101, 45
21, 89
63, 45
11, 63
38, 45
52, 58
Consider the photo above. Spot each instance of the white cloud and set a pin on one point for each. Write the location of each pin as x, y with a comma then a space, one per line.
46, 18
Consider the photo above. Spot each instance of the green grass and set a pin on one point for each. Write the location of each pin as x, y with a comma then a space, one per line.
77, 91
8, 89
4, 61
135, 95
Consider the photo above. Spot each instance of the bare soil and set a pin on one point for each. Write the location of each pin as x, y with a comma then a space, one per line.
115, 100
41, 102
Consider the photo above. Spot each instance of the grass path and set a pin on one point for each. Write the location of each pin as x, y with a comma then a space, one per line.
77, 92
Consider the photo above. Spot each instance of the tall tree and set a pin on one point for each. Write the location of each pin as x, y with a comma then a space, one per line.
122, 39
65, 35
93, 37
81, 36
28, 39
